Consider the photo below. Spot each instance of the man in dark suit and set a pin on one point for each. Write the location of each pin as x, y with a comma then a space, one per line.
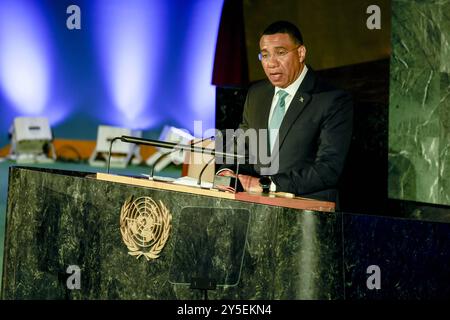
308, 123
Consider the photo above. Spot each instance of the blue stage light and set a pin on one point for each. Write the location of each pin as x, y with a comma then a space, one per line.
157, 59
200, 51
137, 64
129, 44
25, 68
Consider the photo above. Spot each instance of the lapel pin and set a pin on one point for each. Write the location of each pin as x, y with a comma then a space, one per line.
301, 99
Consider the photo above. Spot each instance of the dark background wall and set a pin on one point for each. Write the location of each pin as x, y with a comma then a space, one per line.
334, 31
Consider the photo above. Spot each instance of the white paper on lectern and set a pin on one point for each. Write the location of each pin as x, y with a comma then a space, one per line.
192, 182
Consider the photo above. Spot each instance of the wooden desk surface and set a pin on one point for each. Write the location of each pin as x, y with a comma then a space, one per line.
273, 199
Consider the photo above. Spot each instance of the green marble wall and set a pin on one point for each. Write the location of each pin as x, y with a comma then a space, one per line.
419, 109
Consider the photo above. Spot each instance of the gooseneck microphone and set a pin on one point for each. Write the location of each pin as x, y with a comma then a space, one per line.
165, 155
171, 145
110, 151
199, 181
227, 144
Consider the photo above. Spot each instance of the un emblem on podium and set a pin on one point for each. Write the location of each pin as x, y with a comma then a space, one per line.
145, 226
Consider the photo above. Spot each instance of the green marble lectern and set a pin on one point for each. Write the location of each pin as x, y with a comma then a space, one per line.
62, 223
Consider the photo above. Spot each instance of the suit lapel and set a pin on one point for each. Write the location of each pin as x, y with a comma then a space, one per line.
265, 102
301, 99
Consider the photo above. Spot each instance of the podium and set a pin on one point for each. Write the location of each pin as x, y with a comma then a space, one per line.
69, 236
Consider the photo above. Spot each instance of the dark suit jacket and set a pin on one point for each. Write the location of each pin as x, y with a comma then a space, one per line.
314, 136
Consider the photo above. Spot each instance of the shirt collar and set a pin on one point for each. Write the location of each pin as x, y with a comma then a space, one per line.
293, 87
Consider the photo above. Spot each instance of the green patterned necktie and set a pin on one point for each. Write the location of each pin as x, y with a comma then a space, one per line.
277, 117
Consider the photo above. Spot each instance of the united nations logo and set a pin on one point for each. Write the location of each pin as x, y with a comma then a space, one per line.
144, 225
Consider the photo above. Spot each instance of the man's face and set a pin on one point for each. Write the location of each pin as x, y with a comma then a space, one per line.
283, 60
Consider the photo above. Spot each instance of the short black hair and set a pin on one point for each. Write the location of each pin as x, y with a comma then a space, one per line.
285, 27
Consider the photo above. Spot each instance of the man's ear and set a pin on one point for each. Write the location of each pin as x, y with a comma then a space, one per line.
302, 53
